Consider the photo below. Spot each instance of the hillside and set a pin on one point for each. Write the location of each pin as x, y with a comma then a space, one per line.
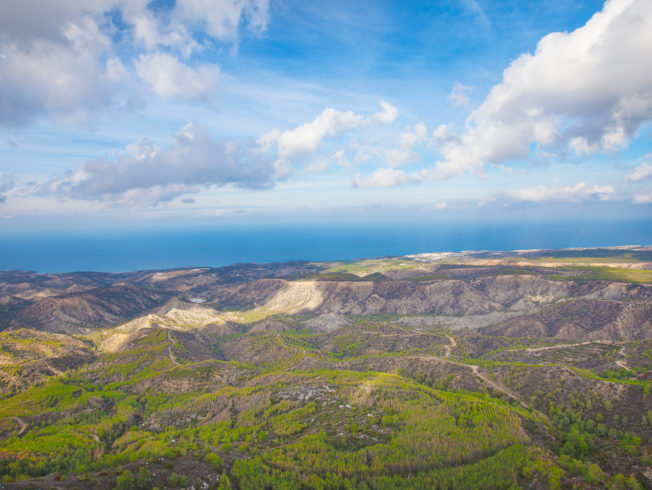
472, 370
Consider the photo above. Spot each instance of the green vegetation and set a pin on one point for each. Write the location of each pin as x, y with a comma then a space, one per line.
325, 428
374, 266
371, 398
594, 273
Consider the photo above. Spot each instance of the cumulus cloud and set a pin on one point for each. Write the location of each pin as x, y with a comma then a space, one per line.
151, 34
403, 154
58, 57
588, 90
65, 80
577, 193
643, 171
326, 162
389, 113
168, 77
308, 137
148, 175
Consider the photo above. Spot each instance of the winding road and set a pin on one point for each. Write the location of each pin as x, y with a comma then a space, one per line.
23, 425
476, 371
173, 342
620, 362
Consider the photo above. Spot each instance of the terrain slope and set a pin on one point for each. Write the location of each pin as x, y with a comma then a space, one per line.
461, 370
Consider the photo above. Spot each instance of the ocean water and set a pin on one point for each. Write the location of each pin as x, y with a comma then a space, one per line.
113, 251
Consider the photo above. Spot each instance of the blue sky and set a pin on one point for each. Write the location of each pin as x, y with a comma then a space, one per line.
202, 112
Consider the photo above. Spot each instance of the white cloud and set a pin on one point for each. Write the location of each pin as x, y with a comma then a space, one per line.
577, 193
150, 33
116, 71
222, 18
340, 158
86, 36
403, 154
643, 171
195, 160
642, 198
308, 137
365, 152
54, 60
459, 96
418, 134
385, 177
590, 90
24, 20
146, 174
324, 163
60, 57
168, 77
389, 113
64, 81
143, 149
152, 196
319, 165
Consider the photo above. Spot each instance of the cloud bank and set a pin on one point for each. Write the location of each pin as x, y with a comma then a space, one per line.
577, 193
146, 175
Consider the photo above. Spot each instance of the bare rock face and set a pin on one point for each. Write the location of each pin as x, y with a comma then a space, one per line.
82, 312
582, 319
522, 292
549, 303
328, 322
402, 297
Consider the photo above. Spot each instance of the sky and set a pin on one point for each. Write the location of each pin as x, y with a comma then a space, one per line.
136, 113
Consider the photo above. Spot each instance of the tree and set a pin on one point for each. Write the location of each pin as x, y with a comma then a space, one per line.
125, 481
144, 477
225, 483
214, 461
594, 474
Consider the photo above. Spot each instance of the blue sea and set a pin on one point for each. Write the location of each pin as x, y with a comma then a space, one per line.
113, 251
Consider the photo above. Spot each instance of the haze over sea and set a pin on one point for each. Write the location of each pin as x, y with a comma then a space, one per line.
120, 250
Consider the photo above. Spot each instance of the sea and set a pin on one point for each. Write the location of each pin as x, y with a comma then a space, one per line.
128, 250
